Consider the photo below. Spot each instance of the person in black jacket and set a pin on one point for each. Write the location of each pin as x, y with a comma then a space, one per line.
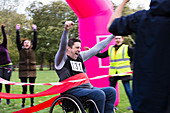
119, 50
125, 53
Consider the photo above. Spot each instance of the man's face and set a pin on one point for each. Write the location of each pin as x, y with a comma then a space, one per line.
27, 44
74, 51
119, 40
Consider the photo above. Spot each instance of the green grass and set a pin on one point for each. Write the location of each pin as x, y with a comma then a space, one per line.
46, 77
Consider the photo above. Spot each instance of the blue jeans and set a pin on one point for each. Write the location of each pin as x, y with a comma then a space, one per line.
126, 84
128, 90
103, 97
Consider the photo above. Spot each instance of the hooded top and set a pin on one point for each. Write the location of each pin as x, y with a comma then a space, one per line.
160, 7
151, 78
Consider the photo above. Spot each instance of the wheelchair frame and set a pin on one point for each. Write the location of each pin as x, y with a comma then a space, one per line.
71, 103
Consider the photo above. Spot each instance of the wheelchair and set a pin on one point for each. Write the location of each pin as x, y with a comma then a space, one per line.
72, 104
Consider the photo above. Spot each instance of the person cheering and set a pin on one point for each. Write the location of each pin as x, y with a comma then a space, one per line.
27, 62
5, 62
69, 61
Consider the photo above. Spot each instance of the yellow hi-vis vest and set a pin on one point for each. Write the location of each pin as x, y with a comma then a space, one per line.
119, 62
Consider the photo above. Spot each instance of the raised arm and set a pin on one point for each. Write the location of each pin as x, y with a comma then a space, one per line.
96, 49
35, 37
61, 56
117, 13
18, 37
99, 55
4, 43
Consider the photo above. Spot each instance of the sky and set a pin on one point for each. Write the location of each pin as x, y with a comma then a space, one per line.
134, 3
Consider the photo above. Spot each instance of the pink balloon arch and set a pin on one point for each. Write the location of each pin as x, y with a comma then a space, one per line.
93, 17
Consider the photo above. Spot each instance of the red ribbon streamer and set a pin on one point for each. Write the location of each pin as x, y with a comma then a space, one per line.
38, 107
51, 91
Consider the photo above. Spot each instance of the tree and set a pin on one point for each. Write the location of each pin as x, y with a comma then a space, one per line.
50, 21
10, 17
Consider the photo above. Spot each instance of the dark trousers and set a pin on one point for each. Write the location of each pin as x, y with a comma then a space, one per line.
5, 73
24, 88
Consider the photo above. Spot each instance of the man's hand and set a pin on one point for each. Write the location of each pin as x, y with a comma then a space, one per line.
86, 48
68, 25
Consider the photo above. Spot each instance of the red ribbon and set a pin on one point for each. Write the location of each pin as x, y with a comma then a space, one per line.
67, 84
38, 107
53, 90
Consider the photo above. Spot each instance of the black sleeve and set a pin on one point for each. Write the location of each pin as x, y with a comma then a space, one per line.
35, 40
130, 53
103, 55
4, 37
19, 46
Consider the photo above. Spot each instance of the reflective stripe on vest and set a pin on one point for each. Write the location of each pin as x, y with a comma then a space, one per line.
120, 62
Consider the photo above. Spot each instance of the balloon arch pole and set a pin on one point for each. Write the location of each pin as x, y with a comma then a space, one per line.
93, 17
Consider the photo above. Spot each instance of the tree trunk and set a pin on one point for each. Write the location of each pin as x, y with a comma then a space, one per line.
49, 65
53, 66
42, 61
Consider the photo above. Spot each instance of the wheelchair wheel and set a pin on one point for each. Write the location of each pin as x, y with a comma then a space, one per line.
68, 103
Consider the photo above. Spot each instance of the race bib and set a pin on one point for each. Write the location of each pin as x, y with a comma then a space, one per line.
76, 66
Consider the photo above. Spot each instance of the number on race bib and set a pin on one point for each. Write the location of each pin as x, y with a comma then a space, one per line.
76, 66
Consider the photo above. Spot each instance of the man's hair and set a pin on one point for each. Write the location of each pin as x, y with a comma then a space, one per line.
72, 41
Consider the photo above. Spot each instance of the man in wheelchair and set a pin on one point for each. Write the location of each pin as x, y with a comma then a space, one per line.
69, 61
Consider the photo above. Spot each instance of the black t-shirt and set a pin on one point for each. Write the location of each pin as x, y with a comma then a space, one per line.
71, 68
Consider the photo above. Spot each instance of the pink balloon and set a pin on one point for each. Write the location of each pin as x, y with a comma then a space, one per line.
93, 17
86, 8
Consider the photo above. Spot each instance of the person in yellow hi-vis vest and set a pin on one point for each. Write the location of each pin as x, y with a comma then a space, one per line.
121, 56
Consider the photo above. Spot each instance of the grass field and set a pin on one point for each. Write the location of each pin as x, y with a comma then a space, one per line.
46, 77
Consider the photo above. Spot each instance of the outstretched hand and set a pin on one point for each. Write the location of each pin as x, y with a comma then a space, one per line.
18, 26
86, 48
34, 26
68, 25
